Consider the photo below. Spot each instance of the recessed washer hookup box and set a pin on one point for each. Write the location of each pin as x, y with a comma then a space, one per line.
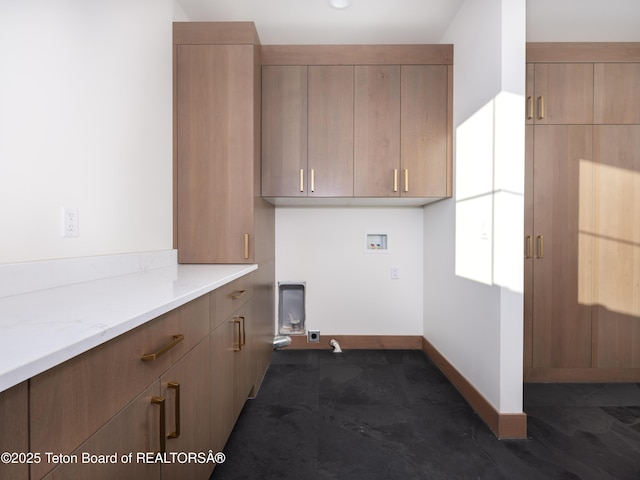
291, 308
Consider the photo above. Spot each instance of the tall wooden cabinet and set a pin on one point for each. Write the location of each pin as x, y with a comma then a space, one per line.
582, 254
221, 216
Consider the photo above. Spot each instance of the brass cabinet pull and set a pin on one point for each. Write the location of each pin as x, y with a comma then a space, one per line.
163, 442
246, 245
175, 386
243, 340
541, 107
237, 294
395, 179
540, 246
529, 246
302, 180
176, 339
313, 180
406, 180
237, 347
530, 108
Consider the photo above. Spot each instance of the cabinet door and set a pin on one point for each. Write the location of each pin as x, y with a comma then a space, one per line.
186, 388
263, 320
563, 93
136, 429
424, 131
616, 237
563, 213
244, 367
224, 340
215, 153
284, 131
617, 93
331, 131
14, 425
377, 131
528, 248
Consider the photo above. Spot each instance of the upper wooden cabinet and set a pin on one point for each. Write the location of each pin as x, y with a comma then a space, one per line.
284, 131
617, 93
377, 119
330, 127
377, 131
307, 131
217, 131
424, 122
560, 93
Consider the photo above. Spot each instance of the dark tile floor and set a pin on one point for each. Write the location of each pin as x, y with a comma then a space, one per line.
373, 414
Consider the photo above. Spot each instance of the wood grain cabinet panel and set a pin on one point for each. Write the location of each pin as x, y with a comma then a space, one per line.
186, 388
562, 277
617, 93
216, 109
14, 428
616, 237
284, 131
330, 124
377, 131
562, 94
423, 131
134, 429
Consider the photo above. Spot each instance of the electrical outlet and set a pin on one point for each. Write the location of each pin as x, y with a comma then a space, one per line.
69, 222
395, 273
313, 336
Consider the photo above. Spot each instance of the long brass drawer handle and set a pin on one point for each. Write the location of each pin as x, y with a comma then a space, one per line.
540, 246
243, 341
313, 180
238, 347
162, 427
395, 179
237, 294
406, 180
530, 107
541, 107
175, 386
529, 246
246, 245
302, 180
176, 339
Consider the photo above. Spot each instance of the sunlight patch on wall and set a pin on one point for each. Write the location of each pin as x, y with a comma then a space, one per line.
490, 194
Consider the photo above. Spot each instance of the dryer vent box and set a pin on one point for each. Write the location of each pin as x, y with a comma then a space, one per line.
291, 308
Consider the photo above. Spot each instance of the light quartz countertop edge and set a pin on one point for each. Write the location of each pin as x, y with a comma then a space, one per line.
45, 328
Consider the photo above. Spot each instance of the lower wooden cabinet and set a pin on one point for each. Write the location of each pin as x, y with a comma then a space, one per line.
109, 413
78, 397
134, 430
14, 432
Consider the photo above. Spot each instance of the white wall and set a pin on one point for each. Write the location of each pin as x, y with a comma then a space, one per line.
85, 122
473, 258
350, 292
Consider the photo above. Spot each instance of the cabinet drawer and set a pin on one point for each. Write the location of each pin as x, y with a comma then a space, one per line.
76, 398
230, 297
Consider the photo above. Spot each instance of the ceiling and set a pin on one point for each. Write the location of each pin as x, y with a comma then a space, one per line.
413, 21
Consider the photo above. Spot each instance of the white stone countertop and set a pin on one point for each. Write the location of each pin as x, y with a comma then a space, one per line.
44, 328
